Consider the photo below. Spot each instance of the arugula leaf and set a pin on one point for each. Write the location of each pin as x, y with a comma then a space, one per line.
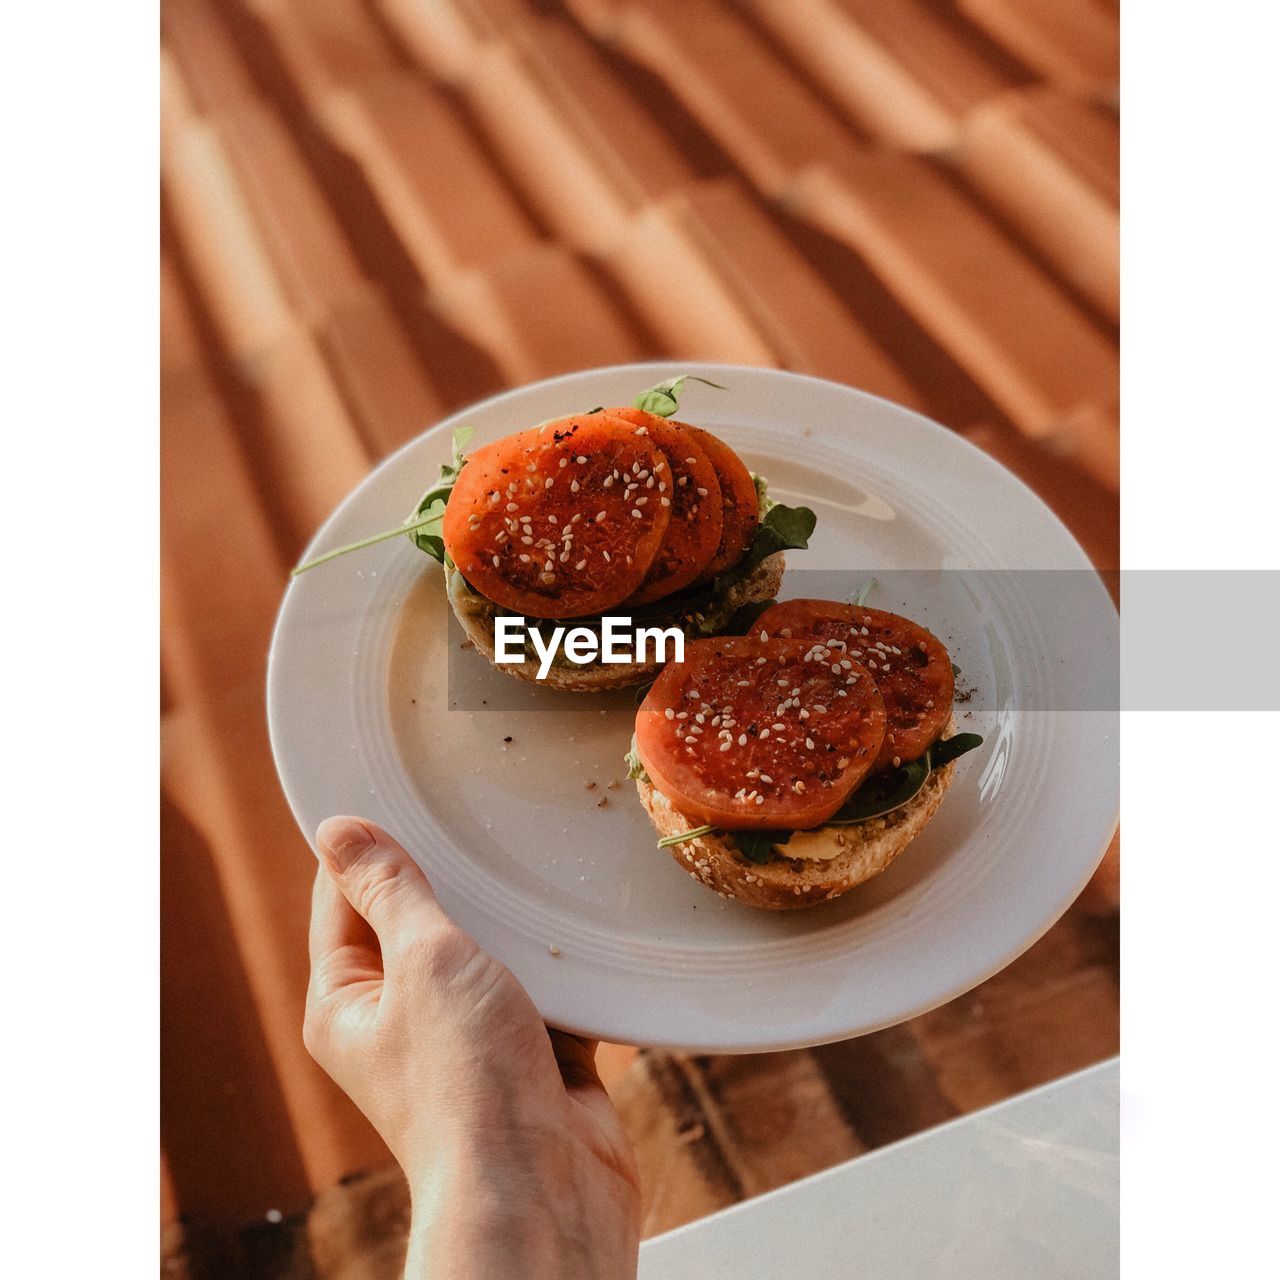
892, 788
683, 837
664, 398
782, 529
429, 537
745, 617
423, 525
950, 749
757, 846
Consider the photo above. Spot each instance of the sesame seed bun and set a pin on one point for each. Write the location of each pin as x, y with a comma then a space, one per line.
476, 616
785, 884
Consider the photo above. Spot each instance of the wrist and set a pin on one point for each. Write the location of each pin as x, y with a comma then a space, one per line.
481, 1213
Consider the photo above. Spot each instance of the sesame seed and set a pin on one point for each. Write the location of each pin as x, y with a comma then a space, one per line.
601, 516
764, 733
808, 743
548, 482
574, 487
742, 739
724, 746
580, 460
702, 493
670, 713
636, 513
525, 559
511, 506
496, 562
759, 799
547, 577
819, 708
582, 564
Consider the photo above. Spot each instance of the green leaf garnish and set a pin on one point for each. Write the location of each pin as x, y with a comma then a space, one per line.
423, 525
782, 529
757, 846
892, 788
664, 398
745, 617
683, 837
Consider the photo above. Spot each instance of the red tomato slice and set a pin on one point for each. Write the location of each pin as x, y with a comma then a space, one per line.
909, 664
748, 734
697, 518
741, 502
547, 522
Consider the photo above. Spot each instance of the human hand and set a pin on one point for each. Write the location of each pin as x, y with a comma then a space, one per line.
516, 1160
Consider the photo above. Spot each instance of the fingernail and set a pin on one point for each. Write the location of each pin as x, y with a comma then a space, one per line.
342, 841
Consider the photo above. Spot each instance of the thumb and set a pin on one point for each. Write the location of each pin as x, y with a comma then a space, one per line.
380, 880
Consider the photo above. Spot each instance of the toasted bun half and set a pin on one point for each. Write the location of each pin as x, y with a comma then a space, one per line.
785, 884
476, 618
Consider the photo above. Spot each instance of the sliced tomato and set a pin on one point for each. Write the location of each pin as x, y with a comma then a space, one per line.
740, 500
910, 665
697, 517
751, 734
547, 522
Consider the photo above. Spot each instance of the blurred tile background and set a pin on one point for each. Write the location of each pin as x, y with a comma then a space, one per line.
377, 211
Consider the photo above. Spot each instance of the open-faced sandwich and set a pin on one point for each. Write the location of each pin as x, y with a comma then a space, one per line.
618, 511
784, 767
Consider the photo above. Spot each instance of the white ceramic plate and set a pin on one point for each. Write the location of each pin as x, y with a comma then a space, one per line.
375, 710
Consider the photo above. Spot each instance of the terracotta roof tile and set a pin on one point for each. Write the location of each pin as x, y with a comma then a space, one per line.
222, 242
1050, 164
504, 310
451, 209
802, 318
1076, 43
325, 45
764, 114
905, 77
999, 315
375, 365
196, 33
